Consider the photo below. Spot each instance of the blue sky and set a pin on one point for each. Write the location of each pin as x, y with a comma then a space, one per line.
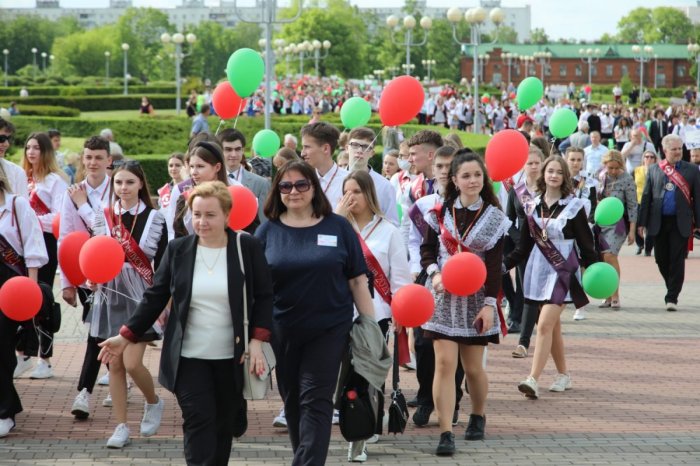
582, 19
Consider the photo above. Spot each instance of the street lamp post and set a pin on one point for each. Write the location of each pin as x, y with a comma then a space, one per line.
409, 24
408, 68
392, 70
483, 60
268, 17
6, 52
379, 74
508, 59
43, 61
694, 50
429, 64
642, 55
34, 51
125, 48
107, 55
589, 56
178, 39
326, 45
476, 17
543, 59
656, 74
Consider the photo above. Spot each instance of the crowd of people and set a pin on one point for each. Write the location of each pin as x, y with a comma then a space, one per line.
332, 241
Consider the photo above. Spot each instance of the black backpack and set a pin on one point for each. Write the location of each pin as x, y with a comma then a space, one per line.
358, 408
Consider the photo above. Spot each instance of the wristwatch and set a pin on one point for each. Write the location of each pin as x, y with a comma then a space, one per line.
432, 269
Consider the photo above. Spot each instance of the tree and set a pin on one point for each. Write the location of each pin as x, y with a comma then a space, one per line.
83, 53
141, 28
539, 36
661, 24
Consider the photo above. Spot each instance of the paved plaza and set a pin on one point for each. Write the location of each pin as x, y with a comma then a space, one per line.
635, 399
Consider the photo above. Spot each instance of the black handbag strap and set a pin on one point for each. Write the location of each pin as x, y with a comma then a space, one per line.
395, 373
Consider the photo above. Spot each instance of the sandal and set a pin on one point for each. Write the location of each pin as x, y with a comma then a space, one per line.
606, 303
615, 304
519, 352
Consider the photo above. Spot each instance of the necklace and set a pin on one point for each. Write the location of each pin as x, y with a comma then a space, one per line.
466, 232
210, 270
133, 224
545, 220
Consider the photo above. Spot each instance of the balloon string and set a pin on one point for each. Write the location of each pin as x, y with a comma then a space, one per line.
551, 149
235, 122
221, 122
117, 292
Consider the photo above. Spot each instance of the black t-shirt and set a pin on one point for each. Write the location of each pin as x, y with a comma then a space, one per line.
310, 268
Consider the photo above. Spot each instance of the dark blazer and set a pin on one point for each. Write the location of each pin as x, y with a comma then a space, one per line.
653, 196
657, 133
174, 278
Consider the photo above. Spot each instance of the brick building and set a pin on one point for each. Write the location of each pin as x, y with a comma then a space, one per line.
667, 65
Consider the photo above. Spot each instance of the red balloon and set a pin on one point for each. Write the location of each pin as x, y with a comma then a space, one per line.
512, 95
227, 103
244, 209
464, 274
20, 298
412, 305
401, 101
101, 259
56, 225
506, 154
68, 254
587, 89
485, 99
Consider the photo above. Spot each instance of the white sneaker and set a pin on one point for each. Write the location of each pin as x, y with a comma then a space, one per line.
561, 382
107, 402
373, 439
24, 363
120, 437
280, 420
104, 380
81, 405
336, 417
152, 415
6, 425
580, 314
357, 452
529, 387
42, 370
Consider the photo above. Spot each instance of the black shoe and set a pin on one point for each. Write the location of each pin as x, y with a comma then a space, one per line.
412, 403
639, 250
647, 253
446, 447
476, 427
422, 415
455, 417
514, 328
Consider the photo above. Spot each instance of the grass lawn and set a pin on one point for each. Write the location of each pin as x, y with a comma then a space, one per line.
126, 115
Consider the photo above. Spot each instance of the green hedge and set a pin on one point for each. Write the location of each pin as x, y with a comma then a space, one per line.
93, 103
45, 110
13, 91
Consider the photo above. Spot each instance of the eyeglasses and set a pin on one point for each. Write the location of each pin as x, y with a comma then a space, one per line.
360, 147
301, 186
5, 138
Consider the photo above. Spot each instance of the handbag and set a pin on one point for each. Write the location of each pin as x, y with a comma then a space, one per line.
398, 410
357, 413
254, 386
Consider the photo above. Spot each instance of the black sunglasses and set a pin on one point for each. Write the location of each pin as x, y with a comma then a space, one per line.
5, 138
301, 186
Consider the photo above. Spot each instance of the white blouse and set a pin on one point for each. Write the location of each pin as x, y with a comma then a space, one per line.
16, 177
401, 183
332, 183
415, 239
32, 246
387, 246
51, 191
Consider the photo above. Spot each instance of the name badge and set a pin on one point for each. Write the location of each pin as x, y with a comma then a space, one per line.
328, 240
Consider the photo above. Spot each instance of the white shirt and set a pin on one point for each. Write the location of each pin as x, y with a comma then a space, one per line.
51, 191
32, 246
594, 158
332, 183
236, 175
606, 123
16, 177
82, 219
415, 239
386, 195
401, 182
388, 248
209, 330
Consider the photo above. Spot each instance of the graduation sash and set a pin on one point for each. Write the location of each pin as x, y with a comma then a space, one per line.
678, 180
381, 282
37, 204
134, 254
11, 258
164, 195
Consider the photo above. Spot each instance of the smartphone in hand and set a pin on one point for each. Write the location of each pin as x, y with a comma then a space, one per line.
479, 325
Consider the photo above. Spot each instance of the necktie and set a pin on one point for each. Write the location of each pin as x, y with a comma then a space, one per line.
430, 186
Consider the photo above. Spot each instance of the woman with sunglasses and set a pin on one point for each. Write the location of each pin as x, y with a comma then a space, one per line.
47, 185
133, 220
385, 254
318, 272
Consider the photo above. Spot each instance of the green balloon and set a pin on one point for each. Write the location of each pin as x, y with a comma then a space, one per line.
530, 91
563, 123
609, 211
600, 280
355, 112
496, 186
400, 209
266, 142
245, 70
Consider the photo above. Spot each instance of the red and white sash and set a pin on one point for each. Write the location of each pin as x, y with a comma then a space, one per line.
381, 282
678, 180
446, 238
134, 254
37, 204
164, 195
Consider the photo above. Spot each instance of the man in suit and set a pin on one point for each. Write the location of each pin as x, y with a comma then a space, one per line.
670, 202
658, 129
233, 143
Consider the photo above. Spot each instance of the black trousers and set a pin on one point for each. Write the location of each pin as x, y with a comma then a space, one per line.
36, 340
210, 395
91, 365
531, 312
646, 243
670, 250
10, 403
308, 362
425, 370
